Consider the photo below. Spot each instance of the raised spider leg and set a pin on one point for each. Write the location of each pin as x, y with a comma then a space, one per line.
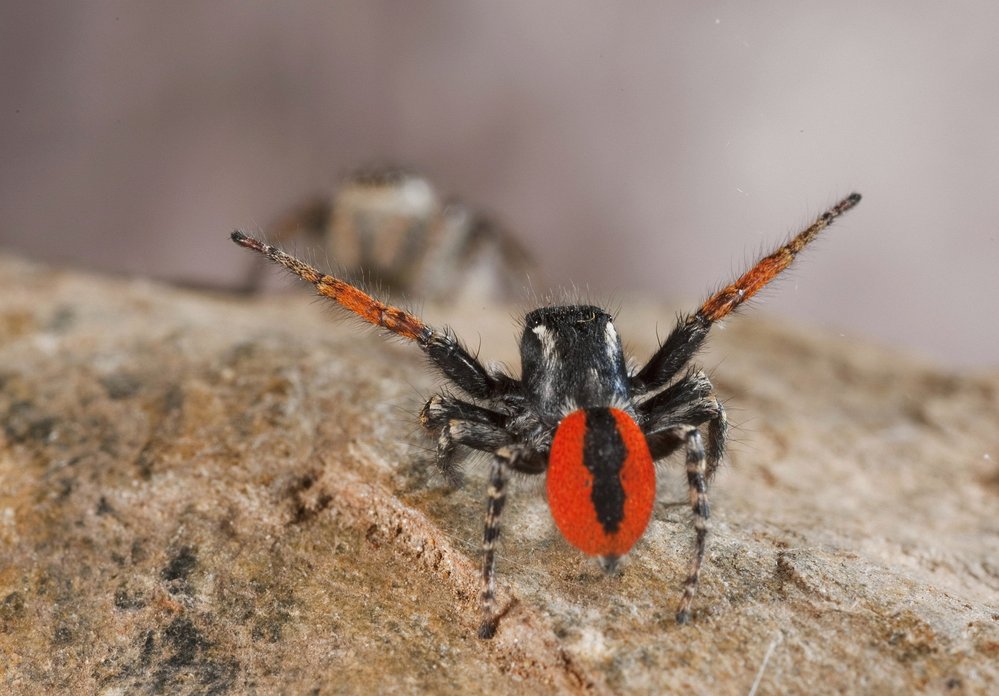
697, 485
690, 331
310, 218
460, 423
444, 350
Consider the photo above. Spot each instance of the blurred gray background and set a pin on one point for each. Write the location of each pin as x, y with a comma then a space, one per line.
650, 147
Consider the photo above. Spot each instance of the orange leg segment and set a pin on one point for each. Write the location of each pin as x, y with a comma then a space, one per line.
369, 309
769, 267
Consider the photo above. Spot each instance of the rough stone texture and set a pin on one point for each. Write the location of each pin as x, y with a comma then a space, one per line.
210, 495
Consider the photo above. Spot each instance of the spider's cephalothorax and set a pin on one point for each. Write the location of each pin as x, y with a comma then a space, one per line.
577, 413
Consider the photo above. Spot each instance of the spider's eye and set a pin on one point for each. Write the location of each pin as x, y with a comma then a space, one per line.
601, 482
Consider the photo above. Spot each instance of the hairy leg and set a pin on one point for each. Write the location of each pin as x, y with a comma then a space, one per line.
697, 484
512, 458
690, 331
443, 348
460, 423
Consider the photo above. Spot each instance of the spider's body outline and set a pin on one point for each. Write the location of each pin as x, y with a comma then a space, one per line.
577, 413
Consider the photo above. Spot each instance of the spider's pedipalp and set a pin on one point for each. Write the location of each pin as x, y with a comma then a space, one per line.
679, 402
459, 423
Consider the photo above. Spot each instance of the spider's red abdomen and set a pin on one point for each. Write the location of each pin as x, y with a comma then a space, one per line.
601, 482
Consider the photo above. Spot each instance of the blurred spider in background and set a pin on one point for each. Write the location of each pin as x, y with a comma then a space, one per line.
392, 225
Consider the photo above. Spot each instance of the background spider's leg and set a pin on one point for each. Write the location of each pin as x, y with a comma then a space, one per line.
696, 483
690, 331
311, 217
443, 348
494, 506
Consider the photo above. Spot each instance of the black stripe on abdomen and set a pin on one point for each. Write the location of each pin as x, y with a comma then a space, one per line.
604, 455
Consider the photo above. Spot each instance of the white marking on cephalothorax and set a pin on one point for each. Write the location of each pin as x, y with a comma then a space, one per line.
549, 358
611, 340
547, 341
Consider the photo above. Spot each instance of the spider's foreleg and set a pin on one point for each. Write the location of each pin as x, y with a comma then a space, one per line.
676, 351
697, 485
442, 347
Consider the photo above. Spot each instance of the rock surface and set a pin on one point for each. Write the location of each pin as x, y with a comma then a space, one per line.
211, 495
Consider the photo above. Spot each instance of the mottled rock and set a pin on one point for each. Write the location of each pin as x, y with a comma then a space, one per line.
208, 495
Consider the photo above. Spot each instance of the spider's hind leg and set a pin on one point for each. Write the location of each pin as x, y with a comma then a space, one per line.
697, 484
511, 458
672, 418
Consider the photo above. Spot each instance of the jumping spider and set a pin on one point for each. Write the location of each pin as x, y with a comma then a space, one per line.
577, 414
392, 225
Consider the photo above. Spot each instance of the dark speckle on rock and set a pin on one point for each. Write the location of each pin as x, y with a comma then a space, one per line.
126, 601
62, 319
103, 506
24, 422
178, 570
173, 400
148, 645
121, 385
188, 644
185, 640
11, 608
63, 635
137, 551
